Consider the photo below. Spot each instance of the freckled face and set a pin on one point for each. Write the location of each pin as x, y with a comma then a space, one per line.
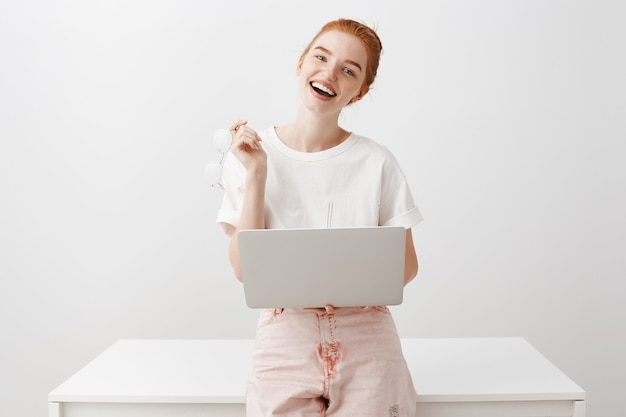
331, 74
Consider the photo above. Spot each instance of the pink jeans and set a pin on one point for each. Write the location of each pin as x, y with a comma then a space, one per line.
344, 364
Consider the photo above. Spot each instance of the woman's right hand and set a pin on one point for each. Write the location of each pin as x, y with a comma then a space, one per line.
247, 147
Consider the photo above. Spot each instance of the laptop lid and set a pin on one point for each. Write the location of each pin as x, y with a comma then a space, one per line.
315, 267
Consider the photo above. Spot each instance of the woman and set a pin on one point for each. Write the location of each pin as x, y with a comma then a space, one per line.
313, 173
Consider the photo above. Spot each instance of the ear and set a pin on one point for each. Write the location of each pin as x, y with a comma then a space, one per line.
299, 67
359, 96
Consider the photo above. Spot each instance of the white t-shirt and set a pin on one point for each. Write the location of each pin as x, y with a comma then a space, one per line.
357, 183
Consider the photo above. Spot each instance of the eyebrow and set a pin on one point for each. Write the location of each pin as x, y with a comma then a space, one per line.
349, 61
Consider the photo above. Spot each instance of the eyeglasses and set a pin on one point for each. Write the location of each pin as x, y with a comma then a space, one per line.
222, 140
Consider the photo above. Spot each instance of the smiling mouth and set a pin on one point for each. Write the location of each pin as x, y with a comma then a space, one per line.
323, 90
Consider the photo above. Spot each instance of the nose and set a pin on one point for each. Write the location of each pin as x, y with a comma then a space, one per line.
331, 72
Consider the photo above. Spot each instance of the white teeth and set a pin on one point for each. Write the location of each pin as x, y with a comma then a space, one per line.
323, 88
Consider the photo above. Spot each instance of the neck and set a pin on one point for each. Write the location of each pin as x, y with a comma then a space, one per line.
312, 132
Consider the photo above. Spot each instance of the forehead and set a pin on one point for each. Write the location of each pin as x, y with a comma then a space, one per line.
344, 45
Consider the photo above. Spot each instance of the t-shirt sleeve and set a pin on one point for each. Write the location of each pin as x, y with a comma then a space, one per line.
233, 180
397, 207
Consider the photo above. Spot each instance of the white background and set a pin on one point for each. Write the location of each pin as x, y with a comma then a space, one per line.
509, 118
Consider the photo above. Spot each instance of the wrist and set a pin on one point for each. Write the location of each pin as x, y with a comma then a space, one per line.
256, 175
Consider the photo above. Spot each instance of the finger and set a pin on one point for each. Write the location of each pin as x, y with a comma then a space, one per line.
318, 310
246, 143
235, 126
247, 136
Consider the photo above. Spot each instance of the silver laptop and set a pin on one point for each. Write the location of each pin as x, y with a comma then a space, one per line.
315, 267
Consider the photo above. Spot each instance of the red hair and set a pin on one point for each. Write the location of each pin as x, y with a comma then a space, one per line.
368, 38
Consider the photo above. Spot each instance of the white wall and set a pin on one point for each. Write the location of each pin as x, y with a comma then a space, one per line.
508, 117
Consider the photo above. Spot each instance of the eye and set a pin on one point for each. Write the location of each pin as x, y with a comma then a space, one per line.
348, 71
320, 57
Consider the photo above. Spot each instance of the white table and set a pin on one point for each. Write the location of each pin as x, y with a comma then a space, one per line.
469, 377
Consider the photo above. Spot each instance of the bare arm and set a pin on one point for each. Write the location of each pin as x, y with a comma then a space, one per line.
252, 215
410, 258
247, 149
